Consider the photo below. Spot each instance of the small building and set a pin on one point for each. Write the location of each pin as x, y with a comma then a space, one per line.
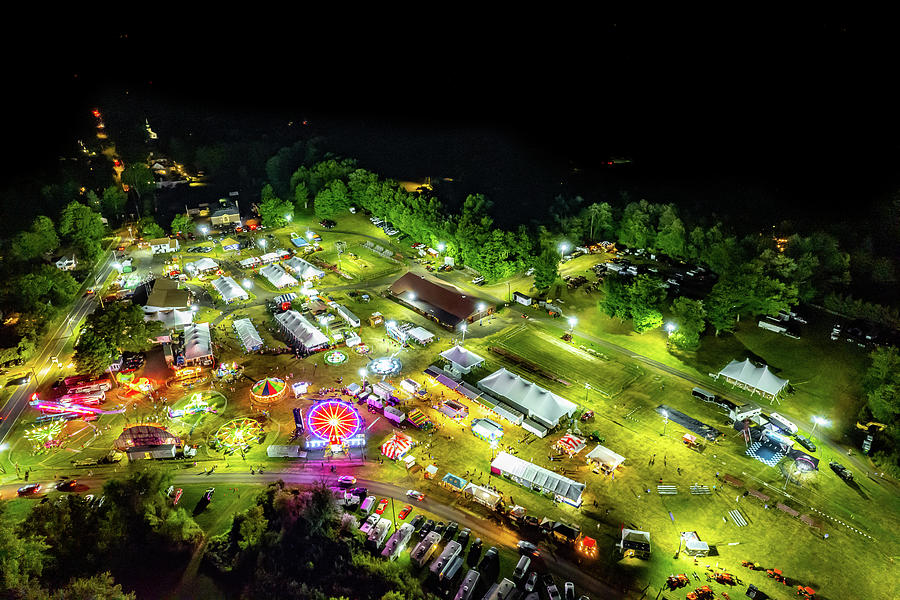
230, 290
453, 483
522, 298
168, 304
348, 316
565, 532
198, 348
249, 263
420, 335
635, 543
66, 263
482, 495
454, 409
462, 360
431, 471
376, 319
227, 215
164, 245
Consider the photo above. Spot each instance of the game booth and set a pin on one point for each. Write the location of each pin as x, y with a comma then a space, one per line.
487, 429
397, 446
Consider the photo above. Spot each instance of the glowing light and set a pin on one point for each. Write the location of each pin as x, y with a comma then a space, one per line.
334, 421
238, 434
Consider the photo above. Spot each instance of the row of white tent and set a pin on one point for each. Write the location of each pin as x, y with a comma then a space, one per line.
246, 332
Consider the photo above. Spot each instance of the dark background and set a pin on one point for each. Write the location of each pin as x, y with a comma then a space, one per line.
773, 121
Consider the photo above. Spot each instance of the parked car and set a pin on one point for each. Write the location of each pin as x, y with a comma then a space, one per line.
405, 512
417, 522
381, 506
463, 537
532, 581
67, 485
452, 527
426, 528
360, 491
474, 553
440, 527
569, 591
415, 495
327, 223
806, 443
842, 471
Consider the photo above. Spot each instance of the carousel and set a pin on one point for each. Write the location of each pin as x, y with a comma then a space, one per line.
268, 390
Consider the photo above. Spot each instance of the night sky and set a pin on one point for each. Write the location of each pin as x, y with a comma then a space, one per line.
795, 118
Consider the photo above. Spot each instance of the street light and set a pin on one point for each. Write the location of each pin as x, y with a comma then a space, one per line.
480, 307
441, 247
204, 229
572, 322
288, 218
563, 248
247, 284
670, 327
817, 421
262, 243
463, 328
665, 415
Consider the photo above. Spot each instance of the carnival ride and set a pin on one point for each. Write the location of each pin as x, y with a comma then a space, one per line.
268, 390
238, 434
385, 366
335, 357
334, 421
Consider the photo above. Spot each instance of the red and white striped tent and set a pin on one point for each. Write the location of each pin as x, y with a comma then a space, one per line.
396, 446
571, 444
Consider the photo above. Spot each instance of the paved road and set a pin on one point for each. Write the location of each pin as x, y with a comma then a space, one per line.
563, 569
56, 340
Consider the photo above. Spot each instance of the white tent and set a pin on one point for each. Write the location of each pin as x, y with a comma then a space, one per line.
605, 457
247, 333
202, 265
176, 317
229, 289
277, 276
303, 269
301, 331
421, 335
536, 402
197, 344
752, 378
248, 263
271, 257
532, 476
462, 360
482, 495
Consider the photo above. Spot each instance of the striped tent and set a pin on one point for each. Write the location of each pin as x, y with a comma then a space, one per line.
571, 444
396, 446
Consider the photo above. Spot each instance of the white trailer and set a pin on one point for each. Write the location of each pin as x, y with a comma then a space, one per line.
394, 414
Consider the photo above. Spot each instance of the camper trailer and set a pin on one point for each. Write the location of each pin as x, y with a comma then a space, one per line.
378, 535
467, 588
425, 549
782, 423
394, 414
397, 543
451, 550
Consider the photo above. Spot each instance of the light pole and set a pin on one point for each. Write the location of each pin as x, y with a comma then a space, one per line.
665, 415
587, 388
563, 248
817, 421
464, 328
670, 327
572, 323
480, 307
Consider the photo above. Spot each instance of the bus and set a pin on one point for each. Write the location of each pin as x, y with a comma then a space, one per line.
90, 398
86, 387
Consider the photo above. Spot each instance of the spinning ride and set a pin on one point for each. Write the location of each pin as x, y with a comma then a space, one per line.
334, 421
238, 434
268, 390
385, 366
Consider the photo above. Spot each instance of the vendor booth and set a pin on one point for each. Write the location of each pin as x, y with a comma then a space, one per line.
605, 458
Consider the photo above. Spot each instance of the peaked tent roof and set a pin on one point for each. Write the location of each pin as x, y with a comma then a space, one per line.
606, 456
248, 334
749, 374
277, 276
302, 268
539, 402
539, 476
462, 357
302, 329
197, 342
204, 264
229, 289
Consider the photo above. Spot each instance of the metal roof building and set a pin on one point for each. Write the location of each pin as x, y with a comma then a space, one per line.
538, 478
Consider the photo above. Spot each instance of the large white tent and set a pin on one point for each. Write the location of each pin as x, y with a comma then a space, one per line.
247, 333
539, 404
301, 330
421, 335
532, 476
277, 276
752, 378
303, 269
230, 290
